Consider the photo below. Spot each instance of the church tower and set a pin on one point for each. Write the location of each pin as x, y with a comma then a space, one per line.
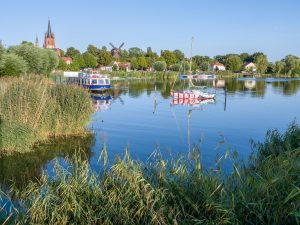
49, 41
36, 44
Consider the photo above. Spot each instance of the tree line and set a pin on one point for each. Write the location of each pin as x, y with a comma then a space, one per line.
176, 60
27, 58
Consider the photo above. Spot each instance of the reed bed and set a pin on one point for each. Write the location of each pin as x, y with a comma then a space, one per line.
32, 110
171, 191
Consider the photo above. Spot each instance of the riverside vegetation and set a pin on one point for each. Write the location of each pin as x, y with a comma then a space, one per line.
171, 191
32, 110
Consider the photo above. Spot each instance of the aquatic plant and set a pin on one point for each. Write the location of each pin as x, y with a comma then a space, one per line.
169, 191
32, 110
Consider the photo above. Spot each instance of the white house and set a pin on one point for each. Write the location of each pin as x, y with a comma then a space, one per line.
119, 65
250, 66
217, 66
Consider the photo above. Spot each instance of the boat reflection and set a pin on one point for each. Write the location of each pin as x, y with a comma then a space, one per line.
101, 102
192, 102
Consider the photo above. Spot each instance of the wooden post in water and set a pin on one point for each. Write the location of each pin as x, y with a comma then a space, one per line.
225, 89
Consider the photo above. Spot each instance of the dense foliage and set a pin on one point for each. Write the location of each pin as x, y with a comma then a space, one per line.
42, 61
32, 110
172, 191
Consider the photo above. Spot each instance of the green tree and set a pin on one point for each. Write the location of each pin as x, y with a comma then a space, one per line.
93, 50
12, 65
105, 58
135, 52
176, 67
234, 63
179, 55
89, 60
33, 56
221, 59
53, 60
160, 66
72, 52
245, 57
124, 56
202, 62
280, 67
134, 63
77, 64
254, 55
149, 53
292, 64
170, 57
2, 50
261, 62
62, 65
142, 62
114, 67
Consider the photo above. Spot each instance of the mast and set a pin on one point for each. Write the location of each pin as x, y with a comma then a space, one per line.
191, 56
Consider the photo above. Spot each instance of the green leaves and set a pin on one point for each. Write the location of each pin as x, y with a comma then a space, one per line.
12, 65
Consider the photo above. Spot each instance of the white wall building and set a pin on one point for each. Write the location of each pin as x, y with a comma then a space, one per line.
217, 66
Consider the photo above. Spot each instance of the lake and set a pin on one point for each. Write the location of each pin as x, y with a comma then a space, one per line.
140, 115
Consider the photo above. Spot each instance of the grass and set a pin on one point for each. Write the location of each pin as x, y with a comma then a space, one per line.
171, 191
32, 110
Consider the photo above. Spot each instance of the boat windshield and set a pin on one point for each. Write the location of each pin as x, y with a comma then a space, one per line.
94, 81
100, 81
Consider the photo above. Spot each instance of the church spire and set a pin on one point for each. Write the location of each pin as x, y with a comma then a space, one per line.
36, 42
49, 32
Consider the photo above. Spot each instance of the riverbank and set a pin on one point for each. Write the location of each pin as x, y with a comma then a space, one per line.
173, 191
33, 110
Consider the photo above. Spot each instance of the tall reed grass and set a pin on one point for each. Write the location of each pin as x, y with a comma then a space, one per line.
171, 191
32, 110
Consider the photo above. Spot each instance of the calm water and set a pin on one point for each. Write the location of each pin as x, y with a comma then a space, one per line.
140, 115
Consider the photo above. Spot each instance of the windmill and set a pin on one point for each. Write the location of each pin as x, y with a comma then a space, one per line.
116, 52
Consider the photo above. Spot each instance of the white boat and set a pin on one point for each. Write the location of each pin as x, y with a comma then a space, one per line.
196, 93
192, 94
95, 82
197, 76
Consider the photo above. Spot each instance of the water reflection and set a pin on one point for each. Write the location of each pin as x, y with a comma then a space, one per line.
101, 101
23, 168
254, 87
132, 118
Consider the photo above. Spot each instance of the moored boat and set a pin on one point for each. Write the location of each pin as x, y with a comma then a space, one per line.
96, 82
197, 76
193, 94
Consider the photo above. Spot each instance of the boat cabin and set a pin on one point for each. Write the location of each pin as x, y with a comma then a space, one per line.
96, 82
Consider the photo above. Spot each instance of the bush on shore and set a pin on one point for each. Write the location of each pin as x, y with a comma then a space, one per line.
174, 191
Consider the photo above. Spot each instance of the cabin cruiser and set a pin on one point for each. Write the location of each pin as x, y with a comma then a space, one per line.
95, 82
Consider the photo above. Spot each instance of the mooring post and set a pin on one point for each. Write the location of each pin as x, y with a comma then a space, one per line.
60, 79
54, 79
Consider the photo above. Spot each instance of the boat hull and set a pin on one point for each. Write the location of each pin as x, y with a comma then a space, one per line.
97, 87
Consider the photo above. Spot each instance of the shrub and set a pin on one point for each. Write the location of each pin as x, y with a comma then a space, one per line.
12, 65
160, 66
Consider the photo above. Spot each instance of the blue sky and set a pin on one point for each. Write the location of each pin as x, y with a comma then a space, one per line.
219, 26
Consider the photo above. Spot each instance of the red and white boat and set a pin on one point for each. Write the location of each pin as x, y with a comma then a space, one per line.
193, 94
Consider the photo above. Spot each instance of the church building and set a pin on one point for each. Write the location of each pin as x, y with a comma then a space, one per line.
49, 41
